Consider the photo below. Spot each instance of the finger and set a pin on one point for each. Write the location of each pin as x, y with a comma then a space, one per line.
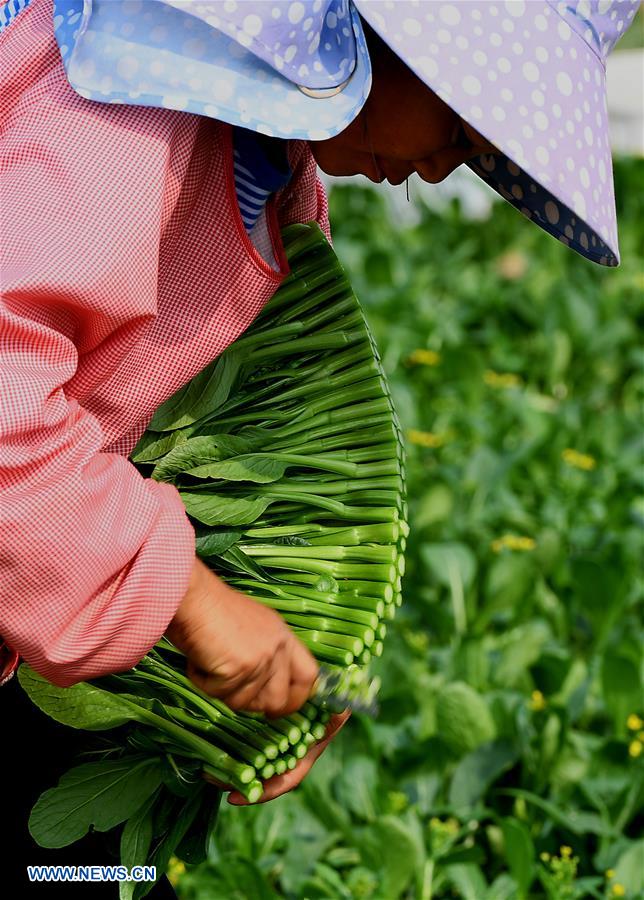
273, 698
210, 683
218, 685
336, 722
245, 698
304, 671
265, 692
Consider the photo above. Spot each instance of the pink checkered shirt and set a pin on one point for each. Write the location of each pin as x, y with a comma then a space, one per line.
125, 268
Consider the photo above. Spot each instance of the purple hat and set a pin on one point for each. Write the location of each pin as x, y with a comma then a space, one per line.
528, 76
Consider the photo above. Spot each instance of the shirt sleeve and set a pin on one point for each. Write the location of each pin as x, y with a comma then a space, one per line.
94, 558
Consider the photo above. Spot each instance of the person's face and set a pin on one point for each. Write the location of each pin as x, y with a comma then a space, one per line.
404, 127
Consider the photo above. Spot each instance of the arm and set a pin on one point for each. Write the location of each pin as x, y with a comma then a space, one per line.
95, 559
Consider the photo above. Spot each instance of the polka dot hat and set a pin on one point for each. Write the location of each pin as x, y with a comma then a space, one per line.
288, 69
529, 76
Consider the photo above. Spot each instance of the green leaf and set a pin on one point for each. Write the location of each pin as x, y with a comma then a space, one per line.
450, 561
183, 814
519, 852
201, 396
434, 505
468, 880
154, 444
214, 543
253, 467
509, 581
576, 821
238, 561
595, 580
387, 845
476, 772
97, 794
518, 649
306, 844
136, 840
357, 786
622, 688
238, 878
194, 844
325, 883
502, 888
214, 509
462, 855
198, 452
629, 869
318, 796
463, 718
82, 705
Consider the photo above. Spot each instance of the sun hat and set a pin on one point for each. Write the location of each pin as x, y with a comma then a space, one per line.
293, 70
529, 76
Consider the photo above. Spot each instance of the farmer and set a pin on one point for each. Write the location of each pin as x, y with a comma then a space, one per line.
150, 152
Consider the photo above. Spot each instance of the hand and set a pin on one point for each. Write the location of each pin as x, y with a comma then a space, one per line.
282, 784
239, 650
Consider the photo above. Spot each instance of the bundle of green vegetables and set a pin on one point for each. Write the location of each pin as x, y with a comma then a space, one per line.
288, 457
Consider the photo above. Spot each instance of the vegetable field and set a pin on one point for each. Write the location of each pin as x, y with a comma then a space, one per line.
507, 761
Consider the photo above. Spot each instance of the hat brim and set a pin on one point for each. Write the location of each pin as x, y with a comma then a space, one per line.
529, 84
205, 72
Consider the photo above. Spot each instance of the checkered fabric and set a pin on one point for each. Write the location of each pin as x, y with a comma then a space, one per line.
125, 269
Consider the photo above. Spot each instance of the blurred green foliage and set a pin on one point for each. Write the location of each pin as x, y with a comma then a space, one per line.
508, 758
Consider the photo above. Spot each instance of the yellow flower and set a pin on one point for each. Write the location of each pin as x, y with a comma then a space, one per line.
610, 873
417, 640
566, 852
398, 801
544, 857
512, 265
501, 379
175, 870
513, 542
578, 460
537, 701
633, 723
635, 749
425, 438
618, 890
425, 357
452, 825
